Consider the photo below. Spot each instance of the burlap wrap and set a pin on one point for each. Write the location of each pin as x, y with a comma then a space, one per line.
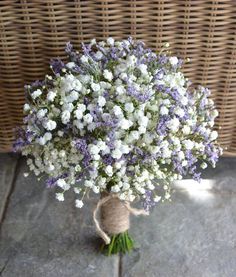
114, 216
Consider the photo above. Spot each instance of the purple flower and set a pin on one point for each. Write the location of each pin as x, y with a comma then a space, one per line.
57, 65
148, 202
68, 48
108, 160
81, 145
197, 177
86, 49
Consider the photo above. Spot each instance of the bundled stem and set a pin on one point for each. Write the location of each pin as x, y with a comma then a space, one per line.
120, 243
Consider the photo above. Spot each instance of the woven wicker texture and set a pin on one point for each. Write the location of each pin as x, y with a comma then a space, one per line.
33, 32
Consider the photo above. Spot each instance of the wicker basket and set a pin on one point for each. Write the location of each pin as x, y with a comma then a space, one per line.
32, 32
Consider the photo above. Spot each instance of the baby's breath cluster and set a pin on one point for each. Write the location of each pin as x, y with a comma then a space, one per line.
119, 118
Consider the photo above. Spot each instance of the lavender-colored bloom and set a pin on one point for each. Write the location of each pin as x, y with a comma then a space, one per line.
148, 202
163, 59
57, 65
81, 145
108, 160
86, 49
68, 48
161, 126
141, 97
197, 177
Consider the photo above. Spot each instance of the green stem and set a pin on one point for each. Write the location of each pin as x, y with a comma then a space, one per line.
120, 243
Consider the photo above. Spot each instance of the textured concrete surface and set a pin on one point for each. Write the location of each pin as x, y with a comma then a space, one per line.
194, 235
41, 237
7, 172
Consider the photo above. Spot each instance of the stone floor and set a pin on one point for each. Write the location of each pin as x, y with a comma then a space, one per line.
194, 236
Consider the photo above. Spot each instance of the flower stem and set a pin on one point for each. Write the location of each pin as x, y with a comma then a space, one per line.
120, 243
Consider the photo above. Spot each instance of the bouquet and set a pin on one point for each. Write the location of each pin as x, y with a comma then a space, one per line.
121, 121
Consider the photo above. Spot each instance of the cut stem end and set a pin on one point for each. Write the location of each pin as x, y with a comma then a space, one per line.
120, 243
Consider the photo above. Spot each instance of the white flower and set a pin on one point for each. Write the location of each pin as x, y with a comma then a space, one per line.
173, 61
213, 135
108, 75
184, 101
62, 184
115, 188
60, 196
62, 153
143, 121
26, 107
180, 112
143, 68
124, 149
77, 190
93, 149
74, 95
84, 59
60, 133
186, 130
166, 153
215, 113
101, 101
88, 183
78, 114
51, 95
181, 155
116, 154
88, 118
65, 117
79, 203
125, 124
188, 144
173, 124
50, 125
91, 126
164, 110
41, 113
101, 145
93, 41
204, 165
36, 93
95, 189
70, 65
120, 90
109, 170
157, 198
134, 135
131, 60
81, 107
98, 55
95, 87
110, 41
129, 107
118, 111
47, 136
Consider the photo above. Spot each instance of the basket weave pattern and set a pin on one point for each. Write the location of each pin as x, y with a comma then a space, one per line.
34, 31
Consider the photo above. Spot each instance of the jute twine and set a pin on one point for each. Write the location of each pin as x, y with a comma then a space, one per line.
114, 216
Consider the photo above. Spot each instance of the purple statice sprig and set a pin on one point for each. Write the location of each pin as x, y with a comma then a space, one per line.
148, 202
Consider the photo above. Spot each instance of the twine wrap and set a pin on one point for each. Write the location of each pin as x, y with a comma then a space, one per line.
114, 216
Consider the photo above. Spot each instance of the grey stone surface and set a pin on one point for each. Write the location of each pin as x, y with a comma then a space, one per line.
194, 235
43, 237
7, 170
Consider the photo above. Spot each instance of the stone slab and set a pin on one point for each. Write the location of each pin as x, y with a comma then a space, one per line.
194, 235
43, 237
7, 170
